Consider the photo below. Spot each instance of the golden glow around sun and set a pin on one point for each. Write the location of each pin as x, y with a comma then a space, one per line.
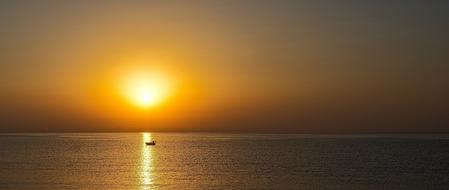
146, 89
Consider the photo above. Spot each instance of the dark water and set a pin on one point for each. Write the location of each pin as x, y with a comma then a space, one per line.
222, 161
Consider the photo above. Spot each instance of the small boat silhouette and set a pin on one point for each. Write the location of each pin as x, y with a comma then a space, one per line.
151, 143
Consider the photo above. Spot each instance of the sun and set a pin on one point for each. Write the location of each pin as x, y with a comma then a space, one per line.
146, 95
146, 89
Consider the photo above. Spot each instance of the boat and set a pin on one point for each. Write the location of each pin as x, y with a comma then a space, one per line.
151, 143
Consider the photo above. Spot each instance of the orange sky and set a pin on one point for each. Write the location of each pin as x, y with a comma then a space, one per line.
236, 66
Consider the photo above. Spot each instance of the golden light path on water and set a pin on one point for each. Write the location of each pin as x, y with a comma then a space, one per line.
146, 161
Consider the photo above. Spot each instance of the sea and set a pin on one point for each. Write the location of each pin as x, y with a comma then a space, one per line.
223, 161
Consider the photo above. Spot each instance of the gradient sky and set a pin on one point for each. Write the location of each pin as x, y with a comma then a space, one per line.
350, 66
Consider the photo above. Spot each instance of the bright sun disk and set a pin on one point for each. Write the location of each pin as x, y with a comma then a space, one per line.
146, 89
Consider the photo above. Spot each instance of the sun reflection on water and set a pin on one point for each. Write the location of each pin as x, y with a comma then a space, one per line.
146, 161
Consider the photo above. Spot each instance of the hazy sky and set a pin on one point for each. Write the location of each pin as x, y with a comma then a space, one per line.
351, 66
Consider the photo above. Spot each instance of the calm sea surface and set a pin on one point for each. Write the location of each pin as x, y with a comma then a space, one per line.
222, 161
